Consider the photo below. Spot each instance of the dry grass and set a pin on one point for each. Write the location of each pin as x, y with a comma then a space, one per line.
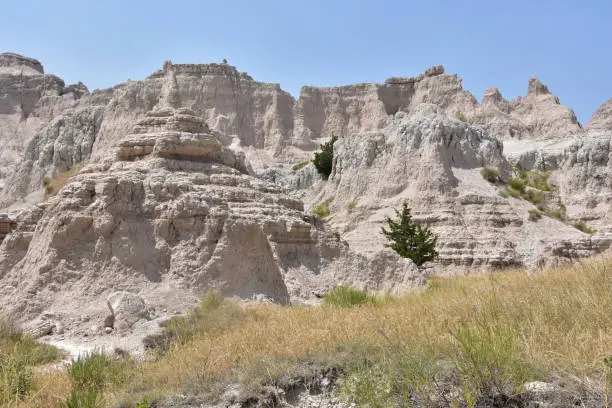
59, 180
515, 325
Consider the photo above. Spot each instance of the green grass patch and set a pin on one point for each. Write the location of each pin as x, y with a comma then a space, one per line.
492, 175
581, 225
517, 184
322, 209
301, 165
345, 296
533, 196
96, 371
535, 214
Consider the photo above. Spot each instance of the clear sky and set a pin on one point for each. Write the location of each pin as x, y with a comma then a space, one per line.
566, 44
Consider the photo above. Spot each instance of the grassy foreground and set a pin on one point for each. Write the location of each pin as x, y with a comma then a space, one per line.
455, 342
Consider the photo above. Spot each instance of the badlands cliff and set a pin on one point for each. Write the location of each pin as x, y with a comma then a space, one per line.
47, 126
172, 215
187, 185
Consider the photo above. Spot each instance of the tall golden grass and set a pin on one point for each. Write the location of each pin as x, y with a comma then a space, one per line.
557, 322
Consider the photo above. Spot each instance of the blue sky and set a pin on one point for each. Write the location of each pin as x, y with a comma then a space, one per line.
566, 44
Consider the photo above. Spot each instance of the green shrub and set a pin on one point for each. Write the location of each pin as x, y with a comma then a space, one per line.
556, 214
300, 165
517, 184
396, 374
581, 225
322, 209
9, 331
533, 196
146, 402
489, 359
95, 371
324, 159
461, 116
491, 175
510, 192
25, 347
89, 398
409, 239
16, 378
344, 296
352, 205
534, 215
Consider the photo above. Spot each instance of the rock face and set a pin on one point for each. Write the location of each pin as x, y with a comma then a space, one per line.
39, 128
602, 118
48, 127
581, 168
175, 214
535, 115
433, 162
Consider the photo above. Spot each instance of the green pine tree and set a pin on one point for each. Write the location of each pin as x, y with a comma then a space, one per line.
324, 159
409, 239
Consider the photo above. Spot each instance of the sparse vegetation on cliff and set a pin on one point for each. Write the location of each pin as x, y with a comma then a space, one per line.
410, 239
492, 175
324, 159
322, 209
59, 180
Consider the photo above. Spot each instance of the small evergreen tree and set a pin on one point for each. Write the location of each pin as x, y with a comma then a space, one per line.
409, 239
324, 159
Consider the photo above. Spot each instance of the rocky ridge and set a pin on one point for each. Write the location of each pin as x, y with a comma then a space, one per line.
433, 162
173, 215
48, 127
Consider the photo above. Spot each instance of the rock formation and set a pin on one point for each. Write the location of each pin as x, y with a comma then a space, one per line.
173, 215
602, 118
535, 115
433, 162
49, 127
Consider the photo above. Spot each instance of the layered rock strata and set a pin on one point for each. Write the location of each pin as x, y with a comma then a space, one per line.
433, 163
176, 214
48, 127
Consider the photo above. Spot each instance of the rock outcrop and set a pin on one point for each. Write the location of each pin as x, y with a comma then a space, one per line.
175, 214
536, 115
48, 127
433, 162
602, 118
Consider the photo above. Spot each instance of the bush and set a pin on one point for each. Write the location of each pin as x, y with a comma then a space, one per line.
89, 398
352, 205
94, 371
409, 239
489, 359
534, 215
394, 375
581, 225
324, 159
24, 347
345, 296
322, 209
300, 165
16, 378
533, 196
491, 175
518, 184
461, 116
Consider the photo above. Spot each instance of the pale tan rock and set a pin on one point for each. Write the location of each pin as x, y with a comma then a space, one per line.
602, 118
433, 162
162, 228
